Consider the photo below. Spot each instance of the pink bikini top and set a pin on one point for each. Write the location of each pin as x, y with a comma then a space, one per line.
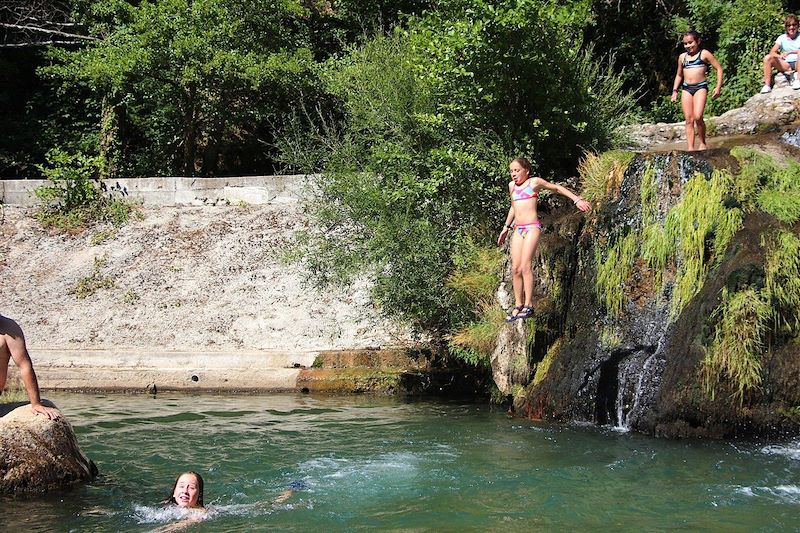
523, 193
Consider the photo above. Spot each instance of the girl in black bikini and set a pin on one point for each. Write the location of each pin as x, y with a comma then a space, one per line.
691, 81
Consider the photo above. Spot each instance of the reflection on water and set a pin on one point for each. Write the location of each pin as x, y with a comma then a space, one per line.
367, 463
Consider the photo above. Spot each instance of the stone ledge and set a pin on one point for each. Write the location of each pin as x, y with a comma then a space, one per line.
760, 113
174, 191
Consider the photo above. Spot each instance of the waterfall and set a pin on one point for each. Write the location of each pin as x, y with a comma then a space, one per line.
629, 399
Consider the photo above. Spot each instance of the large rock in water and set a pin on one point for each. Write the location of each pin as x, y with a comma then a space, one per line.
38, 454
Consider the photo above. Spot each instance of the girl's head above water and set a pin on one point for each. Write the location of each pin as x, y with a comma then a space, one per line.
187, 491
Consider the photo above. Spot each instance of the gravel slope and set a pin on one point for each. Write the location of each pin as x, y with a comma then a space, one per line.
182, 278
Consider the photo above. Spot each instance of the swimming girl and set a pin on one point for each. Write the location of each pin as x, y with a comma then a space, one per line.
691, 80
522, 218
783, 55
187, 491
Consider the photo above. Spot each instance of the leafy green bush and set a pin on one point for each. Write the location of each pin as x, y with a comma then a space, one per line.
473, 283
665, 110
187, 87
73, 197
431, 117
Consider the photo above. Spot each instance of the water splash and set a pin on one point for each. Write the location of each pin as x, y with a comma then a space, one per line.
145, 514
779, 493
791, 450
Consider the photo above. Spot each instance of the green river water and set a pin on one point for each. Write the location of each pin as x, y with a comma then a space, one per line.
383, 464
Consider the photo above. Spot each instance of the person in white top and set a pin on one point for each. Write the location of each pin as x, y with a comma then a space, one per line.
783, 55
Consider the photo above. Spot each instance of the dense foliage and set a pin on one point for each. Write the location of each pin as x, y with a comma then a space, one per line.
431, 117
409, 110
204, 86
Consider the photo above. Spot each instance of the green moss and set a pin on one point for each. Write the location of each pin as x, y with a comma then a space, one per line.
648, 196
735, 353
610, 338
764, 185
792, 413
613, 269
480, 337
478, 273
474, 282
544, 365
784, 207
602, 174
782, 286
699, 218
657, 250
764, 127
517, 391
520, 367
781, 194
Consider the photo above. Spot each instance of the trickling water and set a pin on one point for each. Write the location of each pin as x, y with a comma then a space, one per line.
792, 137
634, 380
370, 464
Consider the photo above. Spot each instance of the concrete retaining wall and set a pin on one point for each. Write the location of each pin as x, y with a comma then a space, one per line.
160, 192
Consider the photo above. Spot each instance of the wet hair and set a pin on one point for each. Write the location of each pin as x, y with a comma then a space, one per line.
524, 163
790, 18
693, 34
171, 498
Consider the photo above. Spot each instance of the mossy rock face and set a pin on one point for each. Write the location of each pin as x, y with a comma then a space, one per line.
454, 382
371, 358
644, 362
349, 380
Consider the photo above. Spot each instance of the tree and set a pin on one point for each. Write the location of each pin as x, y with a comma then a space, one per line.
430, 116
28, 23
183, 81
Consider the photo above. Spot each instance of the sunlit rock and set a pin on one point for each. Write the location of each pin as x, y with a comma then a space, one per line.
38, 454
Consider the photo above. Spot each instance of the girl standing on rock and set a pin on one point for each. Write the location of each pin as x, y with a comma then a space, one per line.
691, 80
523, 219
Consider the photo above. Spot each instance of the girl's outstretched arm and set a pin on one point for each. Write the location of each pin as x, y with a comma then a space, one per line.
678, 78
579, 202
714, 63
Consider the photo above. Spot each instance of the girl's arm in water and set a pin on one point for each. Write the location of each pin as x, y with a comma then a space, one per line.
181, 524
579, 202
509, 220
676, 85
708, 56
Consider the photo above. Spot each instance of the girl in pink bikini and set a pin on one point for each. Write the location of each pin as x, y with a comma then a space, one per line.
524, 221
